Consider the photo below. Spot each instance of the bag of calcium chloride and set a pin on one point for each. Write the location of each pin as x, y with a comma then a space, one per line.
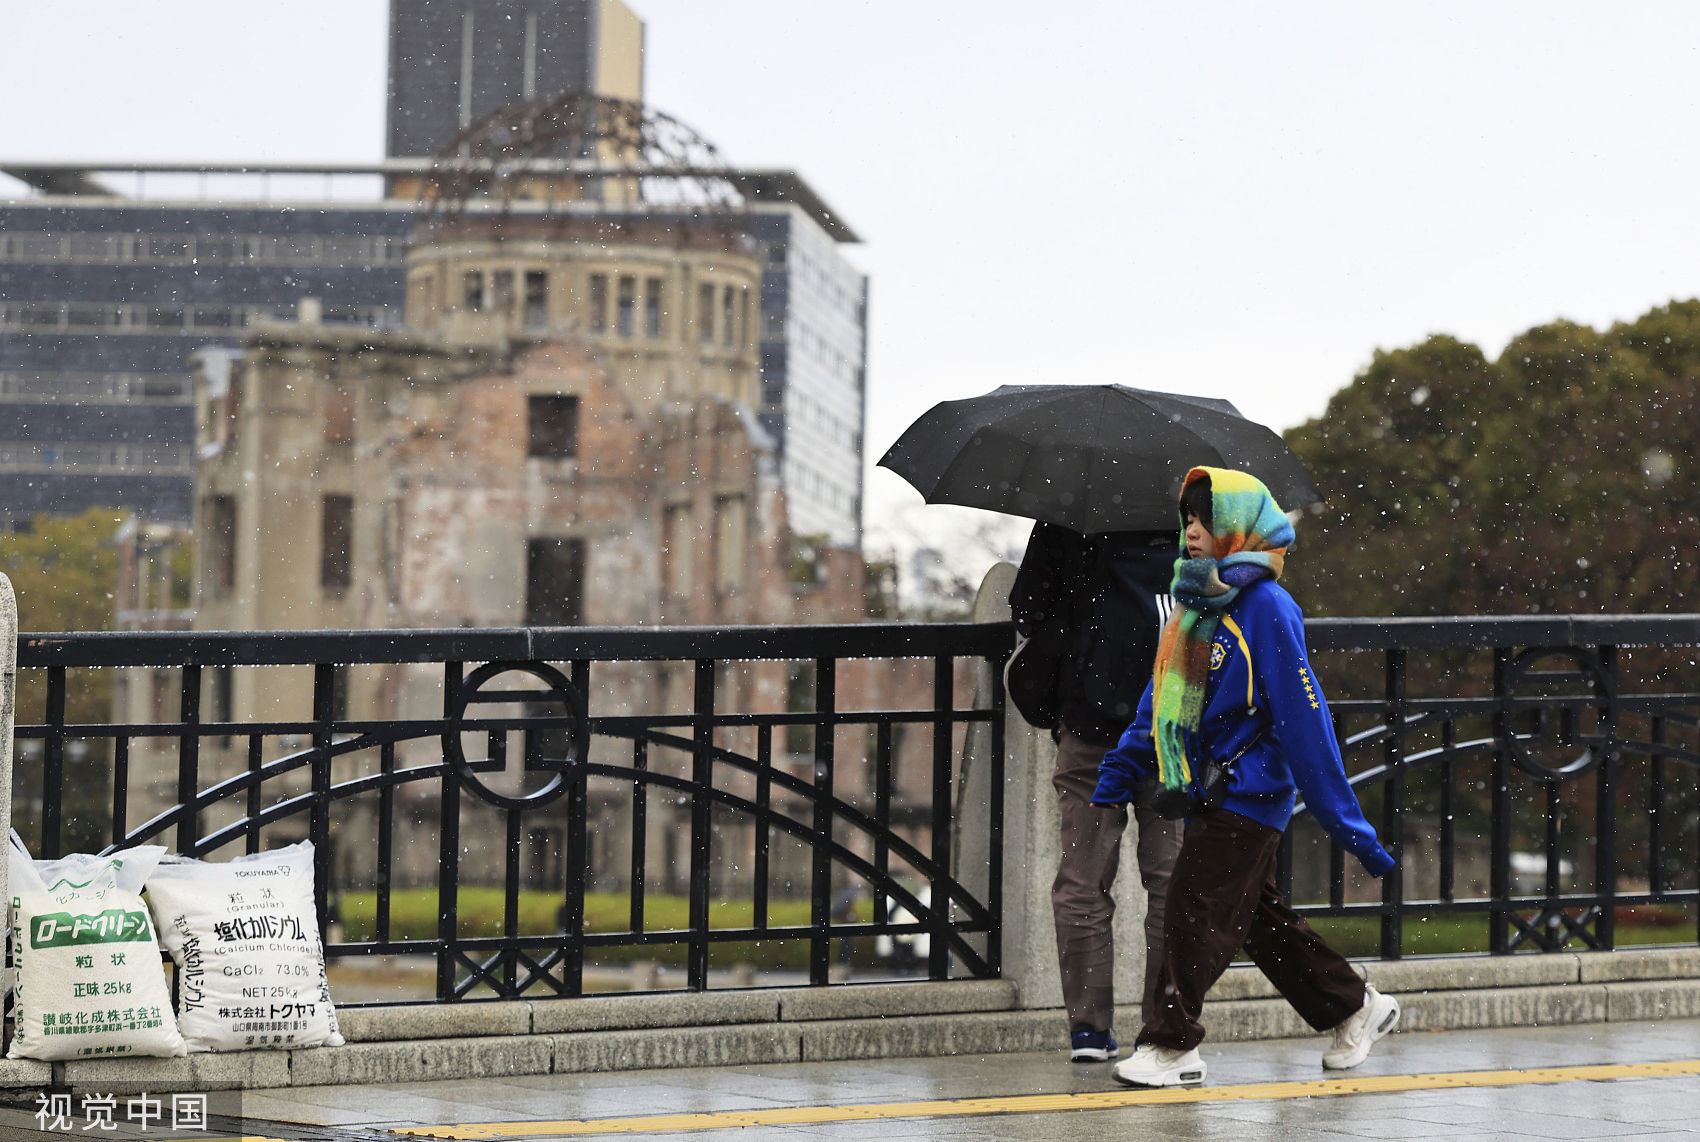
90, 979
245, 938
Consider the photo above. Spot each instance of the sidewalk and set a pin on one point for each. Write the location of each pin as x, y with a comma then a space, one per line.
1622, 1080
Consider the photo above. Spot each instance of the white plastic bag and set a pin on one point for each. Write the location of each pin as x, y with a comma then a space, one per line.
90, 979
245, 937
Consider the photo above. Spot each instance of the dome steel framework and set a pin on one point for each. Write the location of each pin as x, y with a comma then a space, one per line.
536, 150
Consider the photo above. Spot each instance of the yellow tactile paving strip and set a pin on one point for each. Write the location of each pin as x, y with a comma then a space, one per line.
1044, 1103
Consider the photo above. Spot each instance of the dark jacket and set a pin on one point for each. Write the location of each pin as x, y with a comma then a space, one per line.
1263, 711
1111, 593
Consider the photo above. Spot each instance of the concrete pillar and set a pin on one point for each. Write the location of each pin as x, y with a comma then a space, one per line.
8, 711
1032, 843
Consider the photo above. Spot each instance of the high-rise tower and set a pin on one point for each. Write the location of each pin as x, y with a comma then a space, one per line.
452, 62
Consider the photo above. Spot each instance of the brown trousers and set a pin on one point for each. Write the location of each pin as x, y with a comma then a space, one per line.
1081, 903
1223, 898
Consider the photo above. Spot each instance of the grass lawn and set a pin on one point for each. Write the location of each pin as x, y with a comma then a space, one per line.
413, 916
1456, 935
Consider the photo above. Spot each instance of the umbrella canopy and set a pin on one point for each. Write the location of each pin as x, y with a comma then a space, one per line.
1089, 457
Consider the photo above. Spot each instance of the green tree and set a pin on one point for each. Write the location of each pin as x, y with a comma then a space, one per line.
1572, 519
1545, 482
1390, 456
64, 572
1552, 480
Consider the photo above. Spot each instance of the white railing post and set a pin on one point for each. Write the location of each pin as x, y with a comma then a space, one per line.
8, 711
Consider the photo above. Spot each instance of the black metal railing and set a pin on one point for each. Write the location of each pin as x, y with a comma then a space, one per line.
557, 799
733, 769
1537, 774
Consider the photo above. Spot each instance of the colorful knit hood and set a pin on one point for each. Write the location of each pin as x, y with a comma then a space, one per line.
1252, 536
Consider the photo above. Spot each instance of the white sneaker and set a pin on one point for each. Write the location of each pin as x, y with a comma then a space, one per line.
1150, 1065
1357, 1034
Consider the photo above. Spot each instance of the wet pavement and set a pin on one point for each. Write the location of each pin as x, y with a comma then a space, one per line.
1619, 1080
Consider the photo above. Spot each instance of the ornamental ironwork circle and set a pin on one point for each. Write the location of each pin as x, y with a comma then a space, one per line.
541, 753
1548, 713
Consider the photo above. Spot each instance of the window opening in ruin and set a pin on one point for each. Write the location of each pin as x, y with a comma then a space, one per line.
221, 542
628, 306
552, 432
502, 292
730, 541
676, 552
598, 303
336, 531
705, 313
536, 299
554, 582
473, 282
652, 308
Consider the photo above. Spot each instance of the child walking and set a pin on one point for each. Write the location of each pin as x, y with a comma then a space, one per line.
1233, 685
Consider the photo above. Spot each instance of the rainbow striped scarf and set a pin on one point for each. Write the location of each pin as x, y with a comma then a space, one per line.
1252, 537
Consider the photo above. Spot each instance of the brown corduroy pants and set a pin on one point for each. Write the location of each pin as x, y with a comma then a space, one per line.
1222, 898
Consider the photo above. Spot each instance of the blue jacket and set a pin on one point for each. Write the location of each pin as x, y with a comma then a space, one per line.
1263, 711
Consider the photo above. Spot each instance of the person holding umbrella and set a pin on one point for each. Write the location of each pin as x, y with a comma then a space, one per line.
1099, 466
1233, 694
1103, 597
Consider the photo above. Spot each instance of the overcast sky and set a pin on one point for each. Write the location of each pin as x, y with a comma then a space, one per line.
1242, 200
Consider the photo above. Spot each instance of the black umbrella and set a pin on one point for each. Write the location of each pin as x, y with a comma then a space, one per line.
1090, 457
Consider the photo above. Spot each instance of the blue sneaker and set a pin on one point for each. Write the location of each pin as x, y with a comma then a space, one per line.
1089, 1046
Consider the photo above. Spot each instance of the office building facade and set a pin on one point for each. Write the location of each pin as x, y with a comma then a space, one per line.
101, 304
104, 298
